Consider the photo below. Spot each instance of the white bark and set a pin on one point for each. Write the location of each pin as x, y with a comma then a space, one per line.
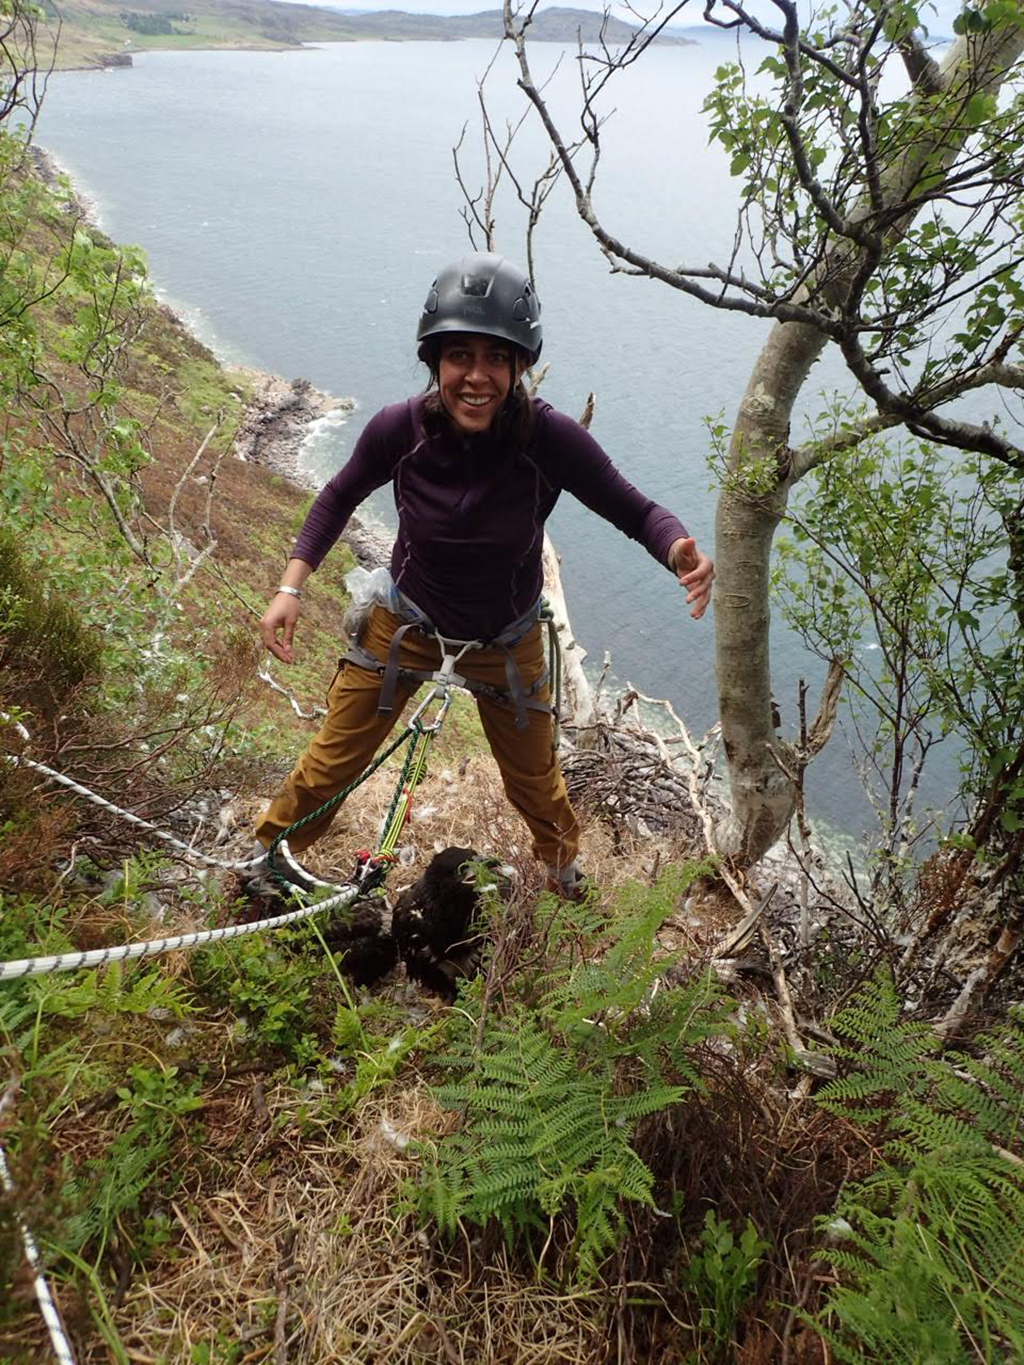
762, 797
578, 701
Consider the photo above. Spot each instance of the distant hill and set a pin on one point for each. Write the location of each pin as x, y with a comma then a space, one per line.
558, 24
96, 32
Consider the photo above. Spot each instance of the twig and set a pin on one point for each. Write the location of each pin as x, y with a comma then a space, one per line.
814, 1062
203, 1253
264, 676
284, 1267
259, 1103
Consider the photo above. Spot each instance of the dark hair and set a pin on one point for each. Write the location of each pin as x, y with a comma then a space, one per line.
512, 428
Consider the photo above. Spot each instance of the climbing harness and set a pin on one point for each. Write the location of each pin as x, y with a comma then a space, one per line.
371, 867
521, 697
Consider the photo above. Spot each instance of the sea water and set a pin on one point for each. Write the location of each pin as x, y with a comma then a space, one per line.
295, 207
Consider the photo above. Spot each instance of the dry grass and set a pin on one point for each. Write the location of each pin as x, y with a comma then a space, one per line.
460, 801
301, 1255
288, 1238
288, 1243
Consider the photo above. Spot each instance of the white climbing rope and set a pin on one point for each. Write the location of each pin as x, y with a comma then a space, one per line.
101, 957
61, 1346
20, 760
126, 952
67, 962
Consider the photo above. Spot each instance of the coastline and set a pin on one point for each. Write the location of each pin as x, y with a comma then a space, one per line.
76, 204
282, 416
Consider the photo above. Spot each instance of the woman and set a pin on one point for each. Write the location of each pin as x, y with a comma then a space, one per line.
477, 467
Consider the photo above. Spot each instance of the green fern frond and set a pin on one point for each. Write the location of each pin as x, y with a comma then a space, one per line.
931, 1261
552, 1093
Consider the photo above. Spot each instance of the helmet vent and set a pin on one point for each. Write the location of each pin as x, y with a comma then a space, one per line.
476, 286
487, 295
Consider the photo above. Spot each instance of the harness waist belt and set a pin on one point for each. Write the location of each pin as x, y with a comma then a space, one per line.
521, 697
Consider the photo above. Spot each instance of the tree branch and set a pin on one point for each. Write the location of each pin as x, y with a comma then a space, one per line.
922, 421
616, 250
923, 70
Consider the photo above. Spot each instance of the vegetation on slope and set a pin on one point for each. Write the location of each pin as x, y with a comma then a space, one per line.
601, 1153
90, 29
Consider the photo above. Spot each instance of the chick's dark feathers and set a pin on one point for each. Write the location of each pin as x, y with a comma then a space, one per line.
433, 927
434, 922
357, 935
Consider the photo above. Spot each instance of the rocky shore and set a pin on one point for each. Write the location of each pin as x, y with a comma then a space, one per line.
282, 414
51, 173
278, 422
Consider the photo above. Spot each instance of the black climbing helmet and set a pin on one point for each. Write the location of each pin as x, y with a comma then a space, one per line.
486, 294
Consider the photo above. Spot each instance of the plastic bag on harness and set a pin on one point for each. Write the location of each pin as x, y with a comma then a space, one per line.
368, 589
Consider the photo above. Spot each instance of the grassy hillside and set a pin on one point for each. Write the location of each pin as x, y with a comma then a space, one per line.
93, 30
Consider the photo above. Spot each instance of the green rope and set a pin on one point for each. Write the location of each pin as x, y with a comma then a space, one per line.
418, 754
336, 801
547, 616
389, 835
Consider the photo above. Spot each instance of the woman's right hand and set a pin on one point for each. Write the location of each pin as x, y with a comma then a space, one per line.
279, 619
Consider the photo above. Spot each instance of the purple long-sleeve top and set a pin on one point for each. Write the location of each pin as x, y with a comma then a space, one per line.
471, 519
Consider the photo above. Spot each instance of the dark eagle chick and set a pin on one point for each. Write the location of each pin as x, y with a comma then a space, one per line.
434, 922
357, 934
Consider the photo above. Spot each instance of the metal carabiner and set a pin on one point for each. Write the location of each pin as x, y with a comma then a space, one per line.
443, 693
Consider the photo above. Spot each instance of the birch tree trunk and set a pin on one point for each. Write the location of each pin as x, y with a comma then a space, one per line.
762, 796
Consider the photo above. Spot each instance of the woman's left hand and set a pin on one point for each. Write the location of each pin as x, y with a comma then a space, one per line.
695, 571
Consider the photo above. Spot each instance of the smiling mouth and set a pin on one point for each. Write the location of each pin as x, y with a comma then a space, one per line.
475, 400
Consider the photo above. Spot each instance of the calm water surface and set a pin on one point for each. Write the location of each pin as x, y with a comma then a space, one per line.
295, 207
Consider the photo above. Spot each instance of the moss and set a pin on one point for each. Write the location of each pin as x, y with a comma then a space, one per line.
207, 395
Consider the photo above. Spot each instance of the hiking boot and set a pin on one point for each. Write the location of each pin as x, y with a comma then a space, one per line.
568, 883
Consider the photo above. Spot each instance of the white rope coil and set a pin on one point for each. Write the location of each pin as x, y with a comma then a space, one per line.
246, 865
61, 1346
125, 952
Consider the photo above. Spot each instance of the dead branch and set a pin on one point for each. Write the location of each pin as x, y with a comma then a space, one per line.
813, 1062
264, 676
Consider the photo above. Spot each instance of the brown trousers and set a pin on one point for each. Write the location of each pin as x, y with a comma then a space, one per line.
354, 730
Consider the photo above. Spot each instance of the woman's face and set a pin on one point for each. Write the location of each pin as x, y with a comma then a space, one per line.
475, 375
